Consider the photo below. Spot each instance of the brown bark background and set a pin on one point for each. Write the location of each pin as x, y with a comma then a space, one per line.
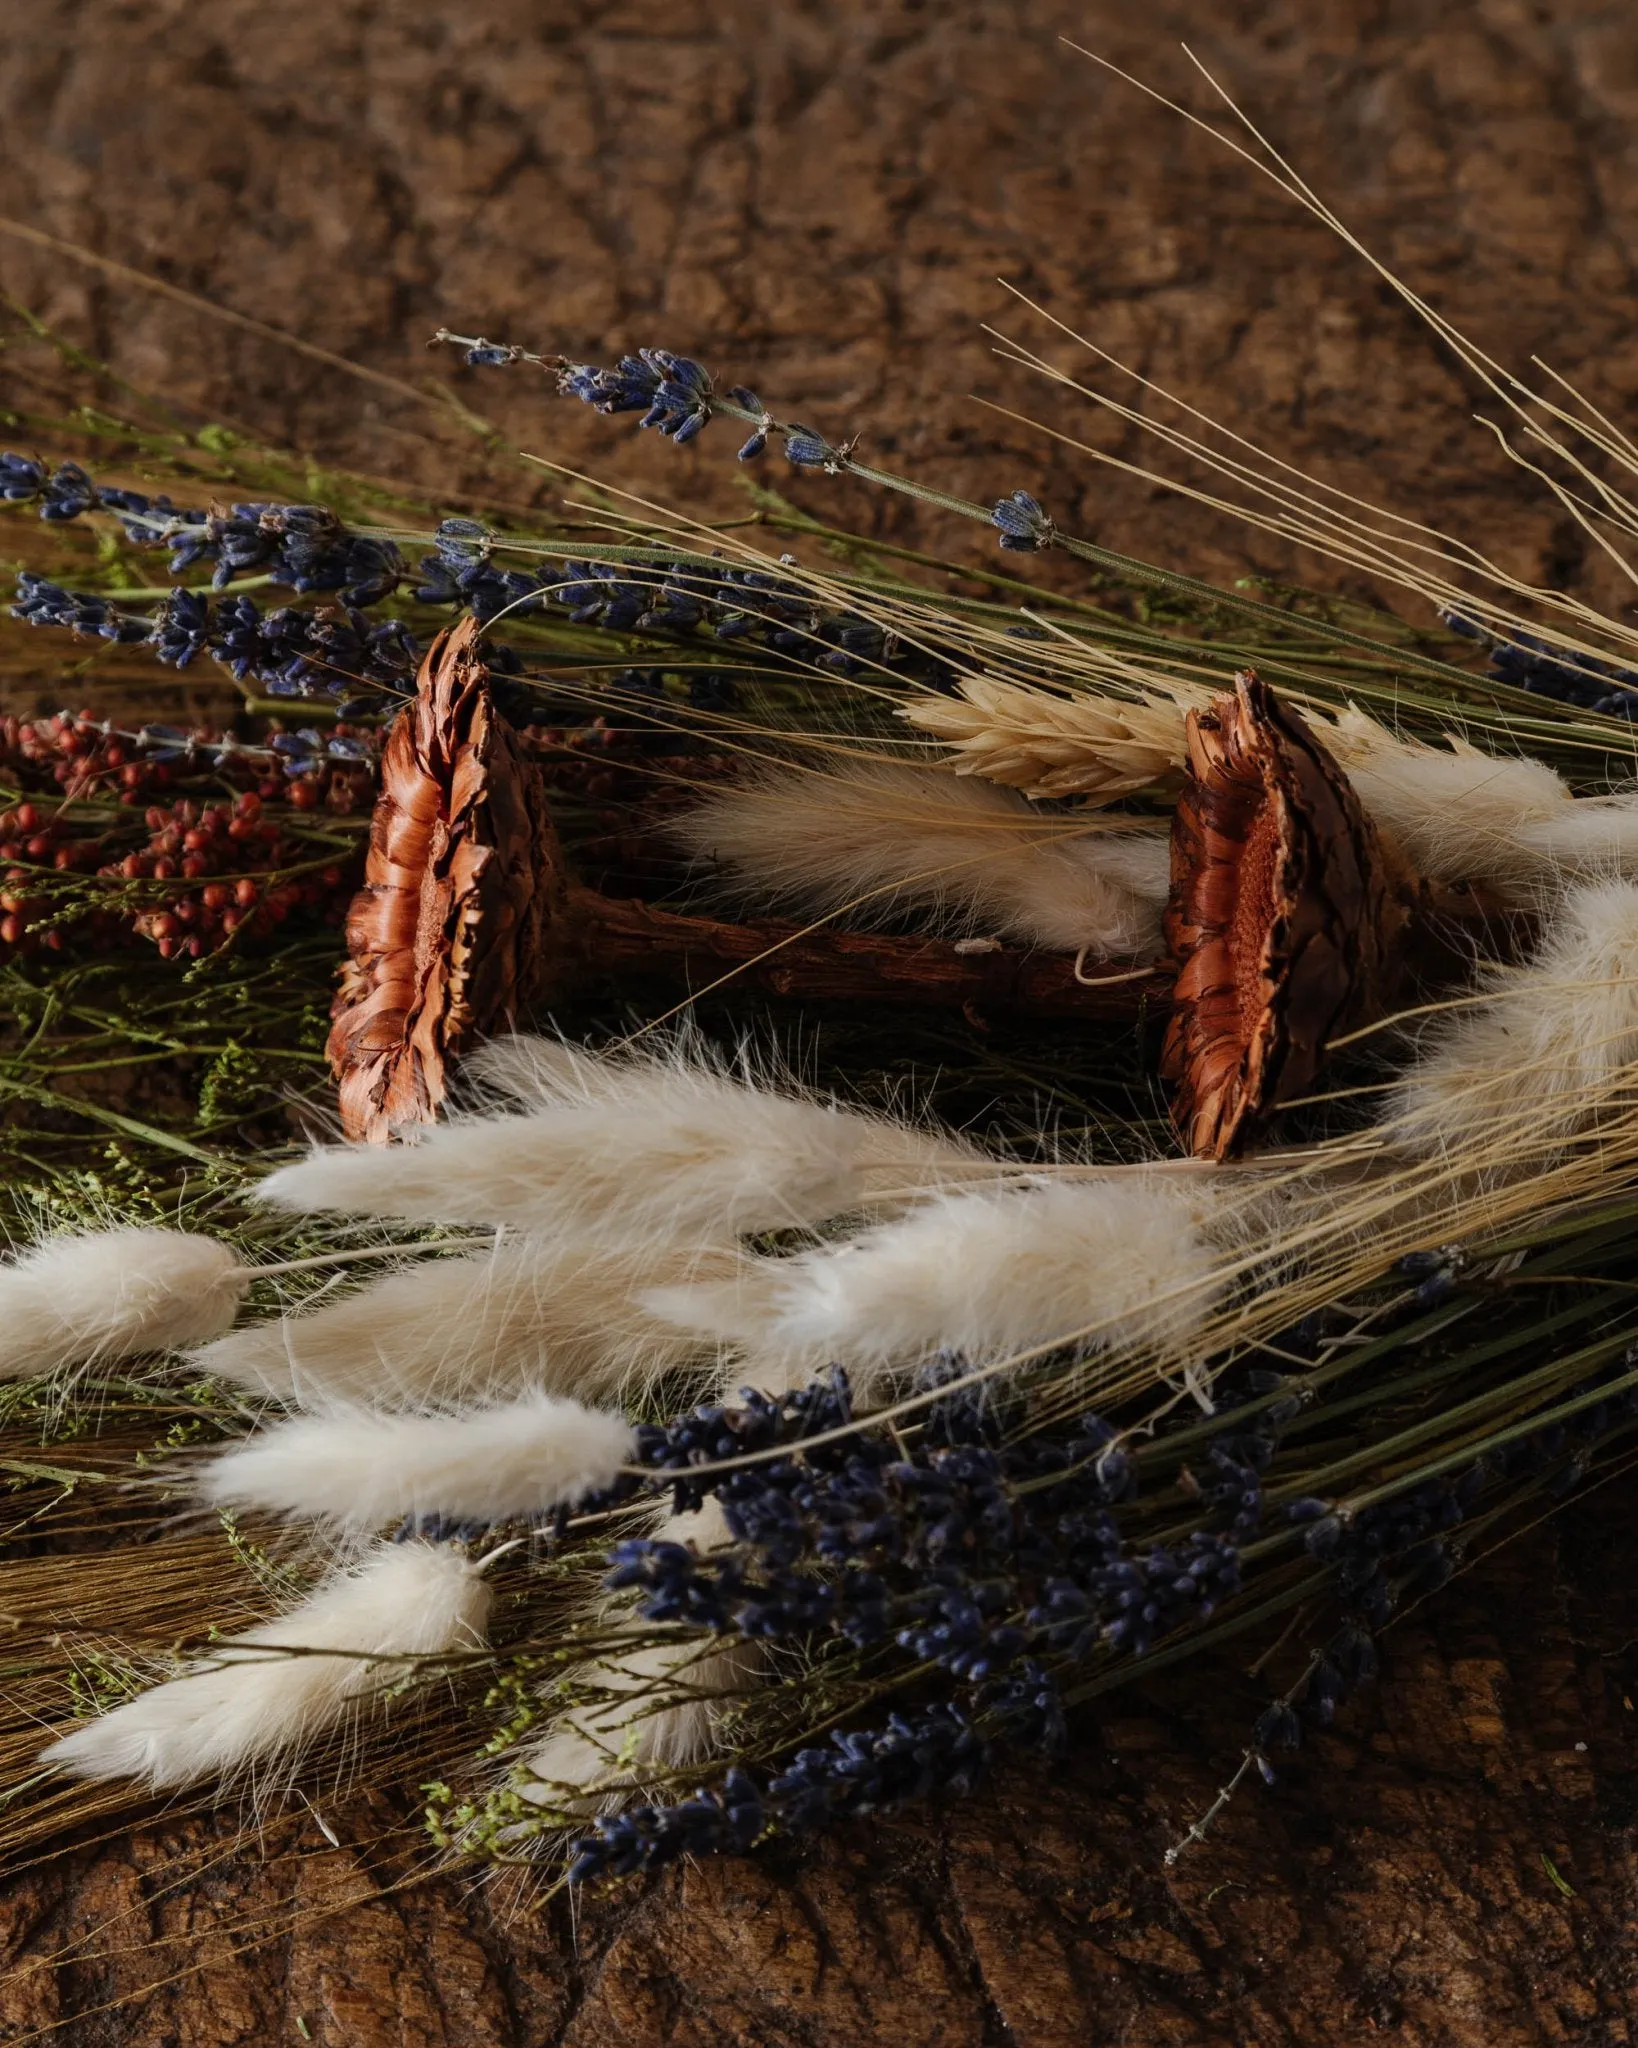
816, 197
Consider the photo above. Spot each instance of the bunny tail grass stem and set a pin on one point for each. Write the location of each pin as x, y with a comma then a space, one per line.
888, 836
355, 1253
261, 1697
361, 1470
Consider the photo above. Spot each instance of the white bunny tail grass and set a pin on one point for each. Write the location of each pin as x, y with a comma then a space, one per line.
1505, 1086
993, 1274
623, 1146
549, 1073
112, 1294
656, 1707
361, 1470
882, 837
1585, 839
562, 1316
1462, 815
660, 1710
254, 1701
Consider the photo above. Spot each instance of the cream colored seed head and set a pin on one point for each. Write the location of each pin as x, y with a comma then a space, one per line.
1052, 746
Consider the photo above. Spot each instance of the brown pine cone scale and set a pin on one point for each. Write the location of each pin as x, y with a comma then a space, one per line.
444, 938
1284, 917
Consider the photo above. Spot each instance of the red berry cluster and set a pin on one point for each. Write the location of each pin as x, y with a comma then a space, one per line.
82, 760
224, 859
31, 841
74, 752
341, 786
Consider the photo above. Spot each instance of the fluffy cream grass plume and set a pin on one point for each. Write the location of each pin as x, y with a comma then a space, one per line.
656, 1706
363, 1469
660, 1709
627, 1146
879, 837
113, 1294
1462, 815
1506, 1086
1508, 822
1047, 745
559, 1314
252, 1702
993, 1273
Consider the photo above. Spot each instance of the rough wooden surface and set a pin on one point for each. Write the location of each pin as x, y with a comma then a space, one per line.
819, 199
816, 199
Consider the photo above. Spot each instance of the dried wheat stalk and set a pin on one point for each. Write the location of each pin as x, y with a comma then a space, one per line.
1051, 746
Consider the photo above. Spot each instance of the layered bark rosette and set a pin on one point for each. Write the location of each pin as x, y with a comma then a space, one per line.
1285, 918
444, 939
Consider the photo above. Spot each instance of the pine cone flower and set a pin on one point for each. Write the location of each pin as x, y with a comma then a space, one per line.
1047, 745
1285, 918
444, 938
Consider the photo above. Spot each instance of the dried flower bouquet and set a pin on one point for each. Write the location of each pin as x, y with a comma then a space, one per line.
745, 1452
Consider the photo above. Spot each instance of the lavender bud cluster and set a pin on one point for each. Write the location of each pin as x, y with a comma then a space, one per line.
729, 602
672, 392
1524, 661
977, 1555
968, 1552
307, 547
42, 603
1024, 525
335, 651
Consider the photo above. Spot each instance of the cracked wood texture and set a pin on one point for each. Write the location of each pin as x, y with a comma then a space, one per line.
816, 197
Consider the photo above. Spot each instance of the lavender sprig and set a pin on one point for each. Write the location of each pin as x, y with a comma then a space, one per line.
42, 603
913, 1756
679, 397
730, 602
295, 753
307, 547
335, 652
1525, 661
1021, 523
